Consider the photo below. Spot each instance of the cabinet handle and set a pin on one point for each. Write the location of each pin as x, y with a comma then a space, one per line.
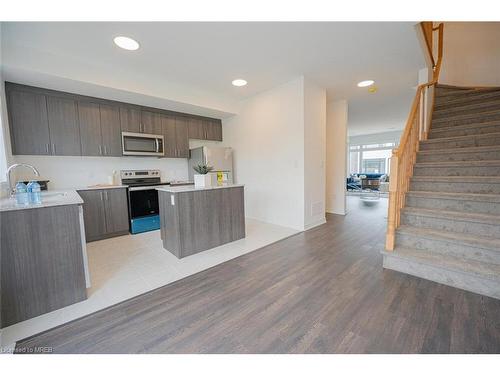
100, 193
106, 194
53, 148
105, 150
47, 148
100, 150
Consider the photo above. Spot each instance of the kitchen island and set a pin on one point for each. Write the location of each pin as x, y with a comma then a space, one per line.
193, 220
44, 260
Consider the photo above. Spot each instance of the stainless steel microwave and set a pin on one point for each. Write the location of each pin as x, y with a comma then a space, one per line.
140, 144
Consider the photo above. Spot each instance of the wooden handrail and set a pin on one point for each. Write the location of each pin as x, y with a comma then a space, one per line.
417, 127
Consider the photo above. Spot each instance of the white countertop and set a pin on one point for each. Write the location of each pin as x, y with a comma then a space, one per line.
187, 188
50, 198
102, 187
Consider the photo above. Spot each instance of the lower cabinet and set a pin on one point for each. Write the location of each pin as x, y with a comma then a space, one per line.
105, 213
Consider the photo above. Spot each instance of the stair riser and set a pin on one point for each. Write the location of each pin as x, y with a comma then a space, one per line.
476, 109
477, 129
450, 225
457, 171
455, 279
456, 187
442, 103
465, 120
454, 205
471, 141
466, 156
448, 248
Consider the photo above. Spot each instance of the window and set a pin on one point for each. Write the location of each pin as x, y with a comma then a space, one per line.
370, 158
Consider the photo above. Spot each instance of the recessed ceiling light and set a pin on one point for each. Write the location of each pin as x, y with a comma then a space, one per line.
126, 43
239, 82
366, 83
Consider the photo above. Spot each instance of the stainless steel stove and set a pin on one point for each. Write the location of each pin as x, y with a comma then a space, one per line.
142, 198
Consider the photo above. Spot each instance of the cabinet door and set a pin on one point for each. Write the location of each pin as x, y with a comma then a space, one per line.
94, 215
90, 129
151, 122
181, 137
111, 130
63, 126
169, 144
195, 128
29, 129
130, 119
116, 210
213, 130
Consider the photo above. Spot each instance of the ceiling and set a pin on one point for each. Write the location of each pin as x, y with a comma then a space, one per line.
208, 56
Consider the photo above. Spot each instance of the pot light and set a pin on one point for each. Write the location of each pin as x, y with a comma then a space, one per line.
126, 43
366, 83
239, 82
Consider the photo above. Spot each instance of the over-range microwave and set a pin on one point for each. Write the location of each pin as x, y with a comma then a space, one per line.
141, 144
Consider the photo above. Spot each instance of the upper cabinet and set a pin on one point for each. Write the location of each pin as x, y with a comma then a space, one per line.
28, 111
100, 130
130, 119
206, 129
48, 122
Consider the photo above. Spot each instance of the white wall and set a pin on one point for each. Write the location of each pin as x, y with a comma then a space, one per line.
471, 54
3, 119
268, 140
314, 154
336, 153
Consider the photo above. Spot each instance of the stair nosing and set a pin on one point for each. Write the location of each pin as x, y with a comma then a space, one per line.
460, 137
459, 196
472, 115
451, 237
473, 179
466, 126
449, 264
460, 163
461, 149
453, 215
455, 103
486, 103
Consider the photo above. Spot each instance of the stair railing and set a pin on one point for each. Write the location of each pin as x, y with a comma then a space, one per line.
417, 128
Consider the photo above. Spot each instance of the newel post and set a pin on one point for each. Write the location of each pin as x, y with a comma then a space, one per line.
393, 206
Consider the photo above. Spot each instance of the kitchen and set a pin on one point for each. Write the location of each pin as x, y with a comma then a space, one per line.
118, 250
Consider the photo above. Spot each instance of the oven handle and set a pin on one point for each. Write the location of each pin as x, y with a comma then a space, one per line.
139, 188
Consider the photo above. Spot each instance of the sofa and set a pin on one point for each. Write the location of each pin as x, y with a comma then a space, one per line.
372, 181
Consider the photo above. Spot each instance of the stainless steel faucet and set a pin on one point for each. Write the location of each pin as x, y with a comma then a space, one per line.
12, 190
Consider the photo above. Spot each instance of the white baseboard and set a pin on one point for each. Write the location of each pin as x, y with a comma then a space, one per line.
335, 212
317, 223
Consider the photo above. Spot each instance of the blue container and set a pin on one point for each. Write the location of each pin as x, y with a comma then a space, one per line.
22, 194
34, 193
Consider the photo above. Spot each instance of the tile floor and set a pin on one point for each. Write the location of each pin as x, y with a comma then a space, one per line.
126, 266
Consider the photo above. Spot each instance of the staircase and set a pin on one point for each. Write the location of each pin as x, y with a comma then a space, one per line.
450, 225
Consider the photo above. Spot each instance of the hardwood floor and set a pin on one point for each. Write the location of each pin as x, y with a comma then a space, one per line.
321, 291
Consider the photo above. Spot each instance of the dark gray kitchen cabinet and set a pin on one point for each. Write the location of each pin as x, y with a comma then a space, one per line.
168, 131
130, 119
90, 129
100, 131
213, 130
206, 129
29, 127
195, 128
105, 213
151, 122
63, 126
182, 137
110, 130
116, 211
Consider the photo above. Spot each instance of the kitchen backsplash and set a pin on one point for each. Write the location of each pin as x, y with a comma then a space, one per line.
75, 171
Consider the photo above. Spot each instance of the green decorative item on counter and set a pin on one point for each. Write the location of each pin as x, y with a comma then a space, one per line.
202, 168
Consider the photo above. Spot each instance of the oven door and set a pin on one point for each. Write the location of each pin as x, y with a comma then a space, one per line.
143, 201
142, 144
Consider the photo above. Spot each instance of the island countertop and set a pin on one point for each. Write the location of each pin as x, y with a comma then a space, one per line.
49, 199
189, 188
